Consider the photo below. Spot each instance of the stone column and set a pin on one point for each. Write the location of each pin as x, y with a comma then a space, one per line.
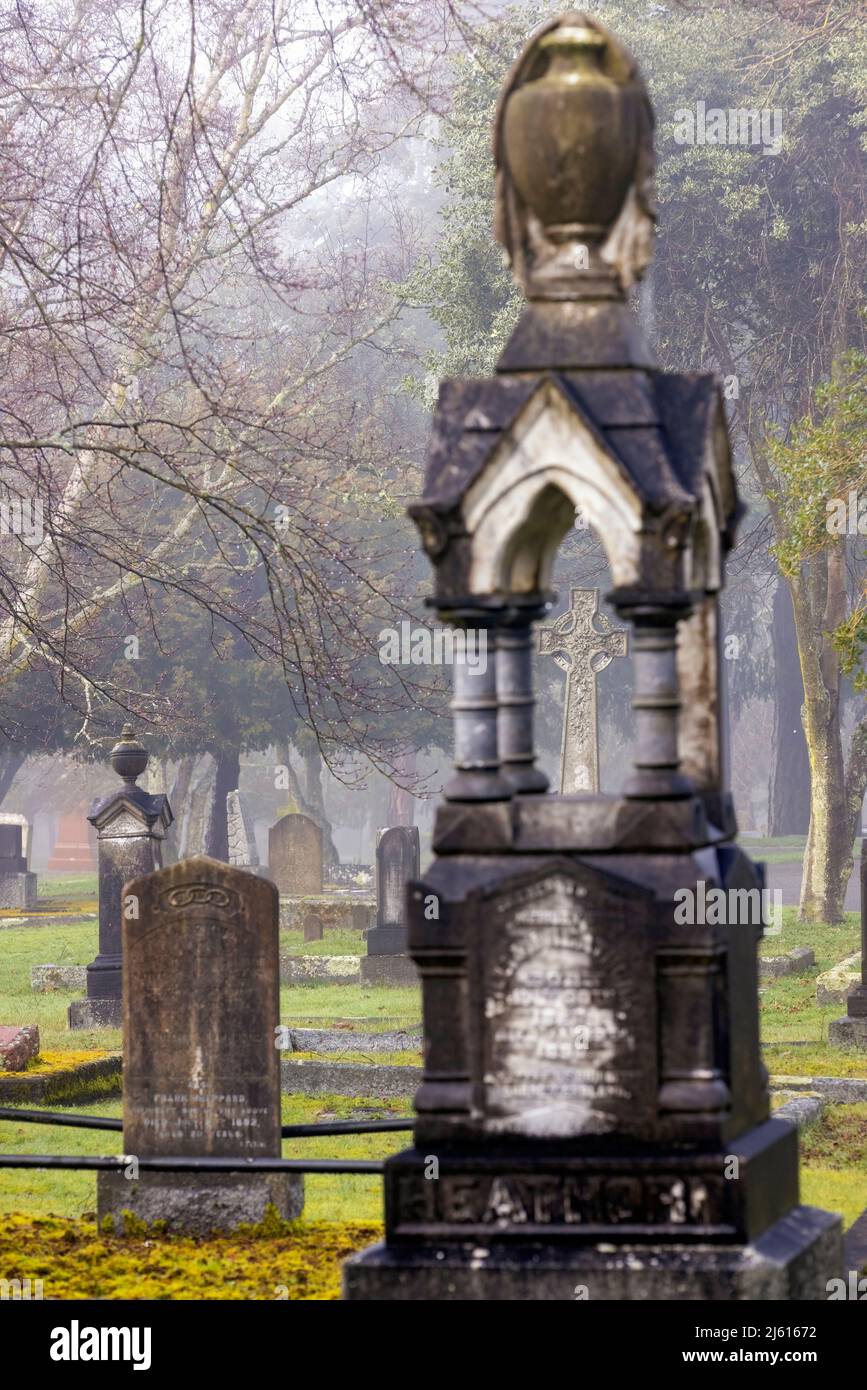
474, 708
516, 700
656, 697
130, 826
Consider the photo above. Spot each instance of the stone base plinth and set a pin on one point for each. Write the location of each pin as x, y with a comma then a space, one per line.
793, 1260
336, 911
388, 970
333, 970
198, 1203
835, 985
51, 979
17, 890
95, 1013
849, 1034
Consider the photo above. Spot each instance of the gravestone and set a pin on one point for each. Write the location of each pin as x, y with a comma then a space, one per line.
295, 856
593, 1088
14, 818
73, 848
17, 886
850, 1032
582, 642
130, 826
242, 841
313, 928
201, 1071
397, 864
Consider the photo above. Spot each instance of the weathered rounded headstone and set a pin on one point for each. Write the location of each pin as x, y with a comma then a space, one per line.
201, 1068
313, 928
295, 856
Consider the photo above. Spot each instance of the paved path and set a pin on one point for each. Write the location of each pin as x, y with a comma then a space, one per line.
787, 877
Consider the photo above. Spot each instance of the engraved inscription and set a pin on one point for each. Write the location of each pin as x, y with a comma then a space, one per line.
187, 1112
511, 1201
562, 1056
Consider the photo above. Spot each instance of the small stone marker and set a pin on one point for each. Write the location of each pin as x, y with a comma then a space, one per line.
18, 1046
397, 863
295, 856
582, 642
201, 1067
313, 928
17, 886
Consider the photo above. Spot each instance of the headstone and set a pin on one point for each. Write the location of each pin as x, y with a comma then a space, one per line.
242, 841
313, 928
18, 1046
13, 818
130, 826
593, 1088
295, 856
582, 642
17, 886
201, 1072
850, 1032
397, 863
73, 848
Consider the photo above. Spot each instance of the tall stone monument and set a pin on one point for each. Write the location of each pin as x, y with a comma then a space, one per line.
73, 852
295, 856
850, 1031
201, 1072
130, 826
593, 1089
583, 643
398, 862
243, 853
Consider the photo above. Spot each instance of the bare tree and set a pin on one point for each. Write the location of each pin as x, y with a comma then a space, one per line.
181, 315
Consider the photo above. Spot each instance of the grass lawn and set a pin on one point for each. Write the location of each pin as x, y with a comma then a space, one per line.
789, 1012
334, 943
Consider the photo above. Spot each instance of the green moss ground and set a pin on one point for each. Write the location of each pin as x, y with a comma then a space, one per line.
297, 1262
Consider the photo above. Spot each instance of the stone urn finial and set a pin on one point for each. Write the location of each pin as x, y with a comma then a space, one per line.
573, 146
128, 758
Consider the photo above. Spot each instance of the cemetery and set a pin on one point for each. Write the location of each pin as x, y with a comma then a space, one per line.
528, 962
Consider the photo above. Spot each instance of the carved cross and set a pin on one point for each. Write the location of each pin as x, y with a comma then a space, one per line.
582, 642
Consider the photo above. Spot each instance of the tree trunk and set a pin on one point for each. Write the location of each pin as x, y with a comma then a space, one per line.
789, 796
817, 601
177, 801
401, 803
225, 781
10, 761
